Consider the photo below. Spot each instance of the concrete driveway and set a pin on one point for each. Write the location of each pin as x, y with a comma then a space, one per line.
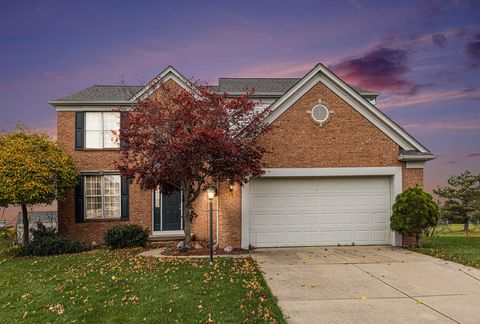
369, 285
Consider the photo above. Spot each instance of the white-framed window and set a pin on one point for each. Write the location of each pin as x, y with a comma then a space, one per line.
99, 128
102, 196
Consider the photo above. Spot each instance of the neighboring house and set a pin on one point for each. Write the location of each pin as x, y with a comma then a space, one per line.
334, 166
49, 219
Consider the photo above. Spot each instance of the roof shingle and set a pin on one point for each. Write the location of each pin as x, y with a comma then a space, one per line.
272, 86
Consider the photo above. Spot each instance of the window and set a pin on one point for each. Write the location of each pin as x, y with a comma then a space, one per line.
320, 113
102, 196
99, 127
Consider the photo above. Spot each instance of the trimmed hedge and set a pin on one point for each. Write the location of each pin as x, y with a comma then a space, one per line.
123, 236
46, 241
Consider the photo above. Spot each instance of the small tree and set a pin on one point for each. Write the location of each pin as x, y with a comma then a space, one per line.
461, 199
33, 170
413, 211
180, 140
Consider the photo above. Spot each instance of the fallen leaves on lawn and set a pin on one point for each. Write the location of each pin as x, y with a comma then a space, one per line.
55, 308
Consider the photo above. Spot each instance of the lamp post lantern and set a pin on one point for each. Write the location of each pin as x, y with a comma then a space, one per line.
211, 195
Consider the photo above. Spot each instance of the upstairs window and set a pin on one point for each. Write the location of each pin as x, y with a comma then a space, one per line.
99, 128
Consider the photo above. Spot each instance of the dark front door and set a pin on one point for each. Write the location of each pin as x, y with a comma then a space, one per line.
167, 211
171, 211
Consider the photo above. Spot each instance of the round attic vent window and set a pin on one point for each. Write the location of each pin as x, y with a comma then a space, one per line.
320, 114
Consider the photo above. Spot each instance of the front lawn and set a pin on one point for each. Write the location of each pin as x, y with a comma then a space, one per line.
451, 243
117, 286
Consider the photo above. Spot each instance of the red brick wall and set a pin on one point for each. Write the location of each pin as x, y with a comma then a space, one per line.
347, 140
92, 230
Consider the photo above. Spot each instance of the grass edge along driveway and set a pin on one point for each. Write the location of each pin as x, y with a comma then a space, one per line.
451, 243
111, 286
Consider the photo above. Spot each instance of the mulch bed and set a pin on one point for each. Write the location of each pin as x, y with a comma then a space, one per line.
198, 248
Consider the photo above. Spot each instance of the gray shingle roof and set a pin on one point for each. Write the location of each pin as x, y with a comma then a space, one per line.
104, 93
274, 86
268, 85
261, 85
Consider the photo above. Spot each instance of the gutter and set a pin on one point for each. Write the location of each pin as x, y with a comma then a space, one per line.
416, 157
89, 103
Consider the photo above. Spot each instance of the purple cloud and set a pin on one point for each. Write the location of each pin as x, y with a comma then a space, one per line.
439, 40
379, 69
472, 50
474, 154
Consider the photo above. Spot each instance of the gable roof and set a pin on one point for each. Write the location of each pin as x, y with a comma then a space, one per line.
268, 87
321, 74
168, 74
285, 90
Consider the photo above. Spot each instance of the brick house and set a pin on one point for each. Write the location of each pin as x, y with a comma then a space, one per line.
334, 167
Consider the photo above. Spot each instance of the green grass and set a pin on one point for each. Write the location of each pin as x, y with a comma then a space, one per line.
118, 286
451, 243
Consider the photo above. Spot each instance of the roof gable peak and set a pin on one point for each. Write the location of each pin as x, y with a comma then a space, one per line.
169, 73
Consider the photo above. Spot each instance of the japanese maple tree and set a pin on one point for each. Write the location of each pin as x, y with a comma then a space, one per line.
178, 139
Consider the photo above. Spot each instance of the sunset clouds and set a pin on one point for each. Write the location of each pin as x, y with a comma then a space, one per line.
423, 57
379, 70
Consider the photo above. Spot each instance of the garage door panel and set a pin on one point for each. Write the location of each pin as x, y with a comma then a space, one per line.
310, 218
319, 211
276, 219
277, 237
379, 218
276, 202
344, 219
362, 236
362, 218
260, 218
259, 202
294, 201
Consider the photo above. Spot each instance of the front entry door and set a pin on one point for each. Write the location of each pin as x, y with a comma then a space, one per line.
167, 211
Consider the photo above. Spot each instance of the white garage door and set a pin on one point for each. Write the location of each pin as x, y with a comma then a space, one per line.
319, 211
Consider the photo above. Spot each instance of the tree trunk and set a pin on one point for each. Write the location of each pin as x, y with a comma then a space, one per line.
186, 215
418, 242
26, 227
466, 228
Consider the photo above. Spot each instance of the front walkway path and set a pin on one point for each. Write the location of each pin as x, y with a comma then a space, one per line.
369, 285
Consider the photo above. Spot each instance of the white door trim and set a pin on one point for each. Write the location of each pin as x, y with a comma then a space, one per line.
165, 232
394, 172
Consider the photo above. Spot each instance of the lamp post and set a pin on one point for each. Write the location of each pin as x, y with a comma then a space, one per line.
211, 195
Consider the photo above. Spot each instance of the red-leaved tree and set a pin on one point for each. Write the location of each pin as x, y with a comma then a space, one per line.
182, 140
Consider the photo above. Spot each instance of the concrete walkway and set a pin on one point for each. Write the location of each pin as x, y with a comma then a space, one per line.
369, 285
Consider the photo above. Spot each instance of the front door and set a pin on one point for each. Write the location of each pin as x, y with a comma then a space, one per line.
167, 211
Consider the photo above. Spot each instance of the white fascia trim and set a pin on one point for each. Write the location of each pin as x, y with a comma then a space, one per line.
168, 74
415, 164
89, 103
330, 172
360, 104
91, 108
394, 172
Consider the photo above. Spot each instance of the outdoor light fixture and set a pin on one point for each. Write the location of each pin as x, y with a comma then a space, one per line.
231, 187
210, 192
210, 195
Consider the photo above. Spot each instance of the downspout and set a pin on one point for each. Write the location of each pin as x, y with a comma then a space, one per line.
218, 204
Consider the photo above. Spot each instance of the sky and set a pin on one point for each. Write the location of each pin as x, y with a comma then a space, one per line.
423, 57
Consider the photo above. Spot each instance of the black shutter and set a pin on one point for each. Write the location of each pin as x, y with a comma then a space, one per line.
123, 145
124, 204
79, 129
79, 201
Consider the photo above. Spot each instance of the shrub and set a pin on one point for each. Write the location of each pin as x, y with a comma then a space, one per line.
9, 236
413, 211
46, 241
122, 236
